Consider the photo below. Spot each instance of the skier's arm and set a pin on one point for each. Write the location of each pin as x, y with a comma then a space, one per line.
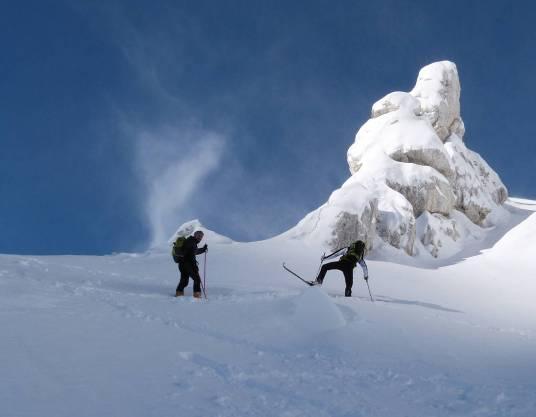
199, 251
364, 267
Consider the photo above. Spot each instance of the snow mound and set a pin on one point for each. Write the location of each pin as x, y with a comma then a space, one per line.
415, 186
315, 312
188, 228
522, 203
519, 243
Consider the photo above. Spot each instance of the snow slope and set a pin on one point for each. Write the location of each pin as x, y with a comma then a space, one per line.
102, 336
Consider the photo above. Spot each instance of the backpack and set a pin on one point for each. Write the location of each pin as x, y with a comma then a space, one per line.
355, 252
176, 251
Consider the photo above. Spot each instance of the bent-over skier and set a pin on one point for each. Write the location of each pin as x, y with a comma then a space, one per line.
188, 265
354, 255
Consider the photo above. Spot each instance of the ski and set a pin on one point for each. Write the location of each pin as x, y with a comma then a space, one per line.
310, 283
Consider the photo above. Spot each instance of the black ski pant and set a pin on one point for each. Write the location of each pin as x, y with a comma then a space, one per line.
188, 271
347, 269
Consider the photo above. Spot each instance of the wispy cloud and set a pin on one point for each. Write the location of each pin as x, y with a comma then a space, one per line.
175, 118
173, 163
173, 155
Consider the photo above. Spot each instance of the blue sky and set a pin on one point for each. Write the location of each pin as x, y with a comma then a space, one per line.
120, 120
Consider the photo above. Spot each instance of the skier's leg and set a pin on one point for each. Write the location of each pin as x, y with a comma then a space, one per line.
349, 279
325, 268
183, 283
197, 280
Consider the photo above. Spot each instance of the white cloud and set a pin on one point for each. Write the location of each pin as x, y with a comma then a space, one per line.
173, 163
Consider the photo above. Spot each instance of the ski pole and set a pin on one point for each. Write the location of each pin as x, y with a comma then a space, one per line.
205, 276
203, 289
371, 299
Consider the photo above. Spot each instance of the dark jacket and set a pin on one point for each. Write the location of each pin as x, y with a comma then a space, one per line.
189, 250
353, 256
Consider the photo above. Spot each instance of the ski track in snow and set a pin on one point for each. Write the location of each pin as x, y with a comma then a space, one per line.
103, 336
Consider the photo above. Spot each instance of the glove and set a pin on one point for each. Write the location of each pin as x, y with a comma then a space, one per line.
366, 278
205, 248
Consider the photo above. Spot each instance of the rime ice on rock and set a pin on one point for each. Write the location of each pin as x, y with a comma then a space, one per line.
414, 185
191, 226
438, 91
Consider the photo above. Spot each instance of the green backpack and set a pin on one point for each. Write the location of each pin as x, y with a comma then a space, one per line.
355, 252
176, 251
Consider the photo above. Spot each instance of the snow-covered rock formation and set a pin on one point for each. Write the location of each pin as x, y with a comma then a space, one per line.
415, 185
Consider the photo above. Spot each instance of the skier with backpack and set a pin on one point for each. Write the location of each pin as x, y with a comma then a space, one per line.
346, 264
184, 252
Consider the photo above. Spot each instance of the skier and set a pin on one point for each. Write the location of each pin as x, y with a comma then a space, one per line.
188, 265
354, 255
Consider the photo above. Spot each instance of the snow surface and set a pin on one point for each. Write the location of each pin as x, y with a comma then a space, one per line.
103, 336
